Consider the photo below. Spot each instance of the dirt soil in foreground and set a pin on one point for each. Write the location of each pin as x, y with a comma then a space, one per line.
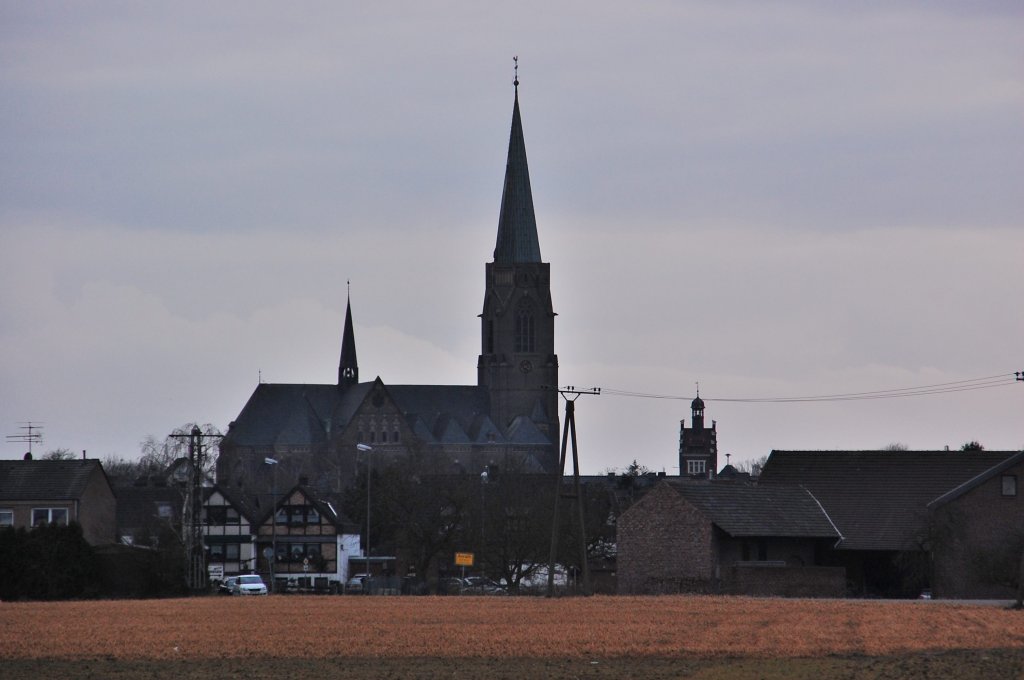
990, 664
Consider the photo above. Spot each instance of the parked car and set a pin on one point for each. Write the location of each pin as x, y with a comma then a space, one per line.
481, 585
471, 585
227, 585
357, 583
250, 584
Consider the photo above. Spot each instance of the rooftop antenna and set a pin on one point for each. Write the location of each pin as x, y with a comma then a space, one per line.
33, 434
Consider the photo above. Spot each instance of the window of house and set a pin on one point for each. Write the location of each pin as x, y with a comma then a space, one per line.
297, 552
298, 515
395, 438
49, 516
6, 518
164, 510
231, 516
1009, 485
216, 514
696, 467
384, 437
216, 552
232, 551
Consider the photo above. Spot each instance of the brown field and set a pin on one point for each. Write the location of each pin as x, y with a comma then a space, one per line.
508, 637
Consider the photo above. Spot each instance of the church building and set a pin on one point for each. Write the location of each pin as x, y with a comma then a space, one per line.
508, 419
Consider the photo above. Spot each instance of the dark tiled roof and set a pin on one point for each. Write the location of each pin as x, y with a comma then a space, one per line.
878, 499
291, 414
234, 497
27, 480
284, 414
978, 480
138, 506
326, 504
748, 510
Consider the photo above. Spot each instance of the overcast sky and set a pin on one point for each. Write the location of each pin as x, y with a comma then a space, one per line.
775, 199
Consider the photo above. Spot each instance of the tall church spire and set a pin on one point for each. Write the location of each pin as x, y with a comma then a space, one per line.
517, 362
348, 368
517, 225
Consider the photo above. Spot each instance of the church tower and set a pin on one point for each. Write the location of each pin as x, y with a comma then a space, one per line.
348, 367
517, 361
698, 445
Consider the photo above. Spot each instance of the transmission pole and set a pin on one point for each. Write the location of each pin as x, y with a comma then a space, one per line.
570, 394
192, 520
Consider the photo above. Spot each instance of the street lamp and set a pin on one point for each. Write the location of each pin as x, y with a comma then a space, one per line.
367, 448
484, 478
273, 526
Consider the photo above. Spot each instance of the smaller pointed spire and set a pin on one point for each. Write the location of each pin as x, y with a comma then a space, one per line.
348, 368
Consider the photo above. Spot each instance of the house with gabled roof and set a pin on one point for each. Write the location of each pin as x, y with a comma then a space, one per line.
229, 533
977, 534
509, 418
307, 537
884, 504
708, 536
35, 492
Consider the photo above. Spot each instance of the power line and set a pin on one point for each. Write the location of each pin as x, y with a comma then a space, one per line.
983, 383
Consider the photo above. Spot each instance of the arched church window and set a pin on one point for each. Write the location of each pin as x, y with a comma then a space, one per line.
525, 328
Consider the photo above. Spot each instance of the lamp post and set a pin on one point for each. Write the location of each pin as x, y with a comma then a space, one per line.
367, 448
484, 478
273, 526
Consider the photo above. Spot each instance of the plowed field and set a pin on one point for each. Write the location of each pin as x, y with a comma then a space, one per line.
294, 636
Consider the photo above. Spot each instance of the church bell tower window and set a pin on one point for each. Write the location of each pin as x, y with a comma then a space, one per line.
525, 330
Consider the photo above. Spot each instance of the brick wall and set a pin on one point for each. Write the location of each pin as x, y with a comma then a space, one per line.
778, 580
975, 541
664, 546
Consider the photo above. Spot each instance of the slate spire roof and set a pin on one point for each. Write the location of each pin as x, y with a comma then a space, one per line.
517, 225
348, 367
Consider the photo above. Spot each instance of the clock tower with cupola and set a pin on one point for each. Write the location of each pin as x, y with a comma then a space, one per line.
517, 362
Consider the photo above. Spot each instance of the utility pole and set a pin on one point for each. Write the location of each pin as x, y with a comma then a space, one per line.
1019, 376
570, 394
192, 520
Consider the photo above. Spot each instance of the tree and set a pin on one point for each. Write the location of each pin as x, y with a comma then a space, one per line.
972, 445
750, 465
896, 446
59, 454
513, 527
158, 455
635, 469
